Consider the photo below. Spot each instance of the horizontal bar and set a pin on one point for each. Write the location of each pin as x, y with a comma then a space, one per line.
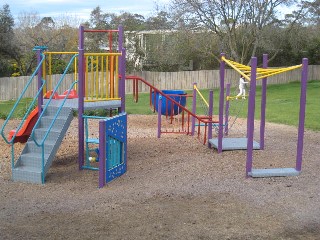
92, 30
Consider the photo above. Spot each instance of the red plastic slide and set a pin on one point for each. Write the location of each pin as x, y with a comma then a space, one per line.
24, 133
72, 94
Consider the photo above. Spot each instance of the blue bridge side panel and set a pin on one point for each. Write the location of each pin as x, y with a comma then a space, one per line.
116, 146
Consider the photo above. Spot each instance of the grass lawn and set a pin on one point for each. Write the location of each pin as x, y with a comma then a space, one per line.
282, 104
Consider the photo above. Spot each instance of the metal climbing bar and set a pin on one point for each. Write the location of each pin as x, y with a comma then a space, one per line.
200, 94
244, 70
278, 71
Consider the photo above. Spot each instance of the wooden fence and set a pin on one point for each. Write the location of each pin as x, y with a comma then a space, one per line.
11, 88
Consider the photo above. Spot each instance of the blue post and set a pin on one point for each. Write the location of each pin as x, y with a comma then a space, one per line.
40, 98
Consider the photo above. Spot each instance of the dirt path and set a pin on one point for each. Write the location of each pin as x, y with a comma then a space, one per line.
175, 188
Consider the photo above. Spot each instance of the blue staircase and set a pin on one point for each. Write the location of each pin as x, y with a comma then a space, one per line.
35, 161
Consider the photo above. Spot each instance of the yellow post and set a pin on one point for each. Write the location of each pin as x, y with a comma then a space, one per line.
92, 78
101, 78
117, 77
87, 76
111, 78
96, 90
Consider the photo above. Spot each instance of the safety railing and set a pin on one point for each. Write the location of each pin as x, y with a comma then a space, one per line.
101, 76
31, 107
189, 123
40, 143
101, 72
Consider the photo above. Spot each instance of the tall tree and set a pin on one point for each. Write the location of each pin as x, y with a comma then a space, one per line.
57, 34
237, 23
8, 46
312, 11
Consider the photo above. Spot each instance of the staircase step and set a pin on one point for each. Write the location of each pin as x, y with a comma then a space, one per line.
31, 147
32, 160
27, 174
58, 123
29, 166
39, 134
51, 111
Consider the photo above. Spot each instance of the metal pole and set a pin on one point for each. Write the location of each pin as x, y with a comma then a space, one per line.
159, 113
263, 103
303, 95
226, 118
40, 97
194, 109
250, 120
221, 103
81, 97
122, 85
210, 113
102, 153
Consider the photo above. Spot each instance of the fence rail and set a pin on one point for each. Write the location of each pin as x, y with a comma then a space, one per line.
11, 87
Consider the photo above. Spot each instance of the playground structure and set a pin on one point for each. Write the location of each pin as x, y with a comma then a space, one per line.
99, 83
252, 74
96, 85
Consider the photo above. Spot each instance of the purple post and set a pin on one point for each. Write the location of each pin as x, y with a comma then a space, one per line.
40, 97
210, 113
102, 153
303, 95
159, 114
250, 120
120, 40
81, 97
263, 103
226, 118
122, 70
122, 84
221, 103
194, 109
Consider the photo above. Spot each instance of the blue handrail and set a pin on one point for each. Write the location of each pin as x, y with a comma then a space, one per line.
18, 101
41, 143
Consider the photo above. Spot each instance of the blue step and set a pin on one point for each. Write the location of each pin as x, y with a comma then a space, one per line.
274, 172
28, 168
